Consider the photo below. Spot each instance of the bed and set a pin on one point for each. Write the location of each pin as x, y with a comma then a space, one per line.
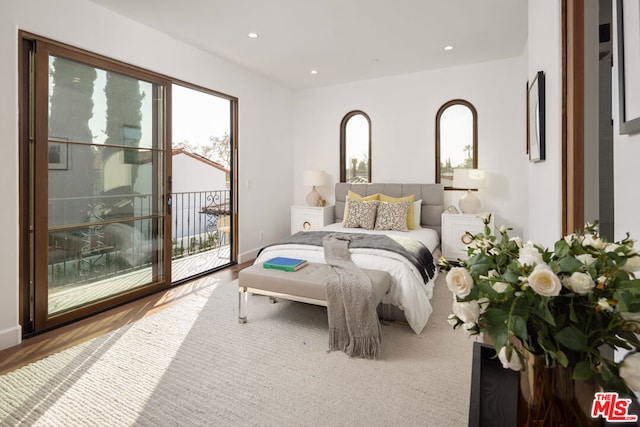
411, 287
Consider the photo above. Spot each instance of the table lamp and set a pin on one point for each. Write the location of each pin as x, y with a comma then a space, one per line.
468, 179
313, 178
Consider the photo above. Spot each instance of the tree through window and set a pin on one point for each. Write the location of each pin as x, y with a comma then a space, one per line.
355, 148
456, 140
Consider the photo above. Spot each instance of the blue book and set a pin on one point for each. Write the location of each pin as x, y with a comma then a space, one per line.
286, 264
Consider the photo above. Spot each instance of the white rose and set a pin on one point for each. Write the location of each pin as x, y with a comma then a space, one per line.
631, 317
593, 241
529, 255
603, 304
515, 363
570, 238
452, 319
459, 281
503, 229
632, 264
518, 241
586, 259
630, 370
466, 311
580, 283
500, 287
544, 282
611, 247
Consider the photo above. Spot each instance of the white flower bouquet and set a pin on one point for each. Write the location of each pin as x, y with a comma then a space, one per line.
565, 305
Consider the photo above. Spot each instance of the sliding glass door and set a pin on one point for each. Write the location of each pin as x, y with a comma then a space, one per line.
98, 206
126, 182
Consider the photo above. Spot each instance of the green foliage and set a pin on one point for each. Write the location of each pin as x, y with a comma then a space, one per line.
583, 296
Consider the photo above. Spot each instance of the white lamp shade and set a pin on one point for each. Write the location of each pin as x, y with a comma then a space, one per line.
313, 178
467, 179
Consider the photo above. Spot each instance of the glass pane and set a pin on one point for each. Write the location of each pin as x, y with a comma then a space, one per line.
456, 141
357, 149
90, 263
104, 183
105, 177
201, 164
91, 105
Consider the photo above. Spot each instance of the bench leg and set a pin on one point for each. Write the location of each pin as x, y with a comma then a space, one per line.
242, 305
386, 314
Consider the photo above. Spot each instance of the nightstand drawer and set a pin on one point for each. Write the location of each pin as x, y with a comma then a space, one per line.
310, 218
454, 233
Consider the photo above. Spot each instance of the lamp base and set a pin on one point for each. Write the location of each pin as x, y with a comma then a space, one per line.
314, 198
469, 203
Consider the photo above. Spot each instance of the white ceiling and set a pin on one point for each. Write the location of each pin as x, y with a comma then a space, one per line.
344, 40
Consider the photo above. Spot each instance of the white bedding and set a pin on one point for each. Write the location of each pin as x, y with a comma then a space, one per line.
408, 291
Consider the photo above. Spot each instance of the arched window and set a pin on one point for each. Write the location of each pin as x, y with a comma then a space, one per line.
355, 147
456, 140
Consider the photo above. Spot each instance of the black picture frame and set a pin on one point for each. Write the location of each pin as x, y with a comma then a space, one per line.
536, 118
58, 153
628, 69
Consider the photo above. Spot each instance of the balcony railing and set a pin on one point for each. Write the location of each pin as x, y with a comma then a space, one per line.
103, 245
195, 217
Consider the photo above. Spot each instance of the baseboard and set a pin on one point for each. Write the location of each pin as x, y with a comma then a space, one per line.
10, 337
248, 256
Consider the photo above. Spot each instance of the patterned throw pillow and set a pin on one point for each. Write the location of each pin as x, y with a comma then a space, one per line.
355, 196
362, 214
392, 216
410, 214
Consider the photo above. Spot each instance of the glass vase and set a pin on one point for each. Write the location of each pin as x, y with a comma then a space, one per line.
549, 397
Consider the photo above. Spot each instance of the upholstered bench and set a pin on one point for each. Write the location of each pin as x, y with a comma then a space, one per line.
305, 285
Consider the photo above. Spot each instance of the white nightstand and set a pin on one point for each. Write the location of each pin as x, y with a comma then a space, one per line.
455, 227
310, 218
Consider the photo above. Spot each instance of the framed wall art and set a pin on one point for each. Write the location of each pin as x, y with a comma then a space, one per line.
628, 22
58, 154
536, 118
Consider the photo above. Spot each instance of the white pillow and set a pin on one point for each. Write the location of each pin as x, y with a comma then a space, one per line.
417, 213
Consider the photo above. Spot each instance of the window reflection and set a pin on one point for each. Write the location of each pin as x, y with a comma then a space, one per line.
456, 140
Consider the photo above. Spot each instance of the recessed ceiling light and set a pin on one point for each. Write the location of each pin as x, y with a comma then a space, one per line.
314, 71
448, 48
253, 35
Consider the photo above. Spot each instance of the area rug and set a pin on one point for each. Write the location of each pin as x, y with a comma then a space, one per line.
193, 364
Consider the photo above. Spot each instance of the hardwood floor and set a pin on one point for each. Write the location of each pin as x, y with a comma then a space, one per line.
47, 343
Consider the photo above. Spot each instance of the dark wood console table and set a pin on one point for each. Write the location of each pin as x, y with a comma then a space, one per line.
494, 390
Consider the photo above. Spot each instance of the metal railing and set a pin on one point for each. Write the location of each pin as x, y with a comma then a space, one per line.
195, 217
88, 239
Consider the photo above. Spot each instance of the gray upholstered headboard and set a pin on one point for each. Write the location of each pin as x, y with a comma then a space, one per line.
432, 196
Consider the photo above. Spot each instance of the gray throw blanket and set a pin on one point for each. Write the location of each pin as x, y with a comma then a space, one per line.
353, 321
414, 251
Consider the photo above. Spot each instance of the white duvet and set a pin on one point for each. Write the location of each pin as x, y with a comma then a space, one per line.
408, 291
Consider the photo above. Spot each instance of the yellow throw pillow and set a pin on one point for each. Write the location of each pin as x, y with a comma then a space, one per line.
355, 196
411, 199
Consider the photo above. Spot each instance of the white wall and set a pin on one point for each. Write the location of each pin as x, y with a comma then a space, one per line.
189, 175
545, 198
545, 178
265, 139
626, 157
402, 110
